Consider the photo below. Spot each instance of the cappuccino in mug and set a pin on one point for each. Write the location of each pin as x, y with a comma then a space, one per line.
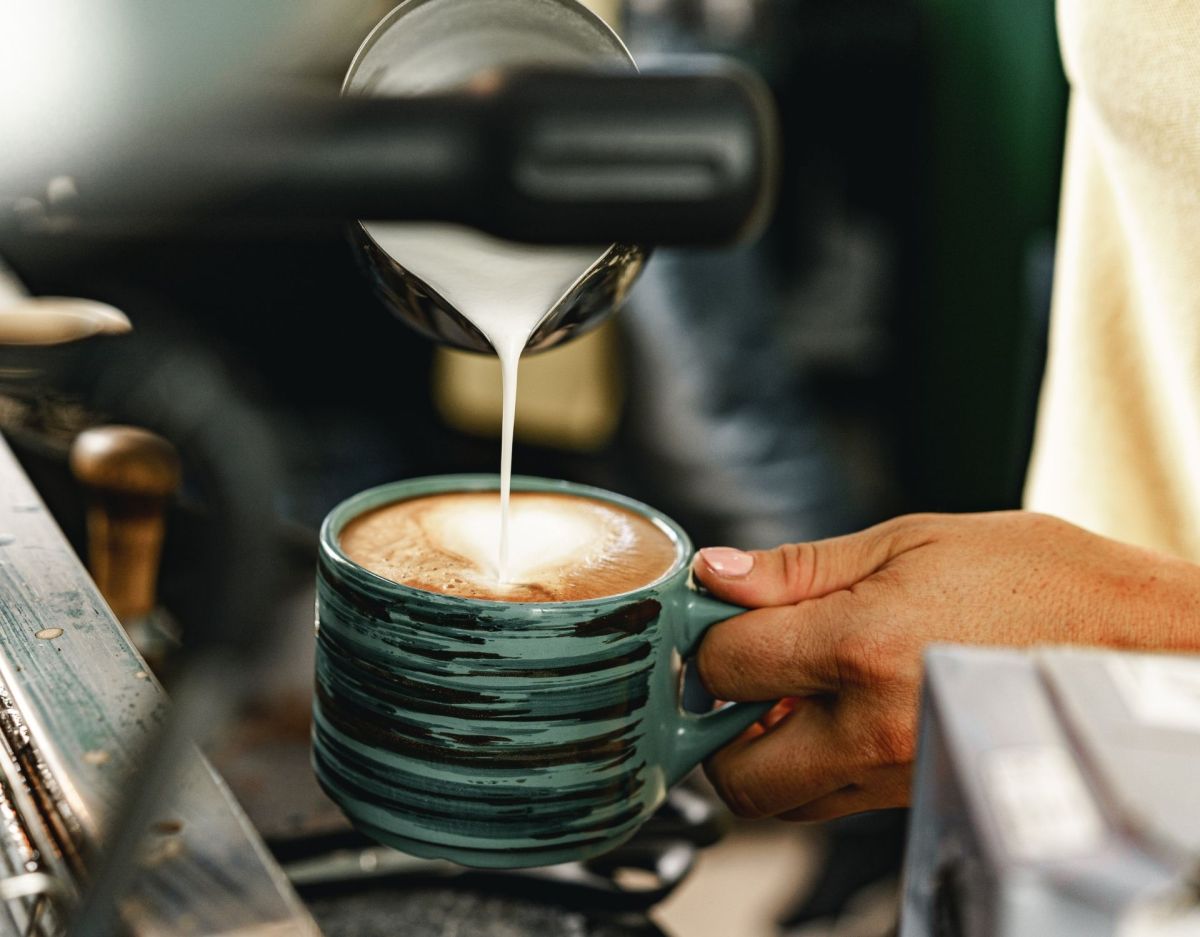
563, 547
502, 724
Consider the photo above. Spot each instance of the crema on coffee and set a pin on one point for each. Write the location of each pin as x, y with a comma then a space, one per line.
563, 548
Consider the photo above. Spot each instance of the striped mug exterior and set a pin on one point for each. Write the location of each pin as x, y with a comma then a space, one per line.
505, 735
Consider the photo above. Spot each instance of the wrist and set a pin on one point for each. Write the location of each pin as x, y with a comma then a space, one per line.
1150, 601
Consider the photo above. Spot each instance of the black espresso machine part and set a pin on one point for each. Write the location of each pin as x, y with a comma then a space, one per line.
564, 158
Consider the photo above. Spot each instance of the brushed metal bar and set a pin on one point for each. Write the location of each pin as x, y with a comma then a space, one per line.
89, 704
45, 818
36, 866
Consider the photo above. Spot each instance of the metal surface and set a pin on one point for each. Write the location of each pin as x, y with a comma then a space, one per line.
425, 47
28, 885
79, 712
1023, 821
1136, 719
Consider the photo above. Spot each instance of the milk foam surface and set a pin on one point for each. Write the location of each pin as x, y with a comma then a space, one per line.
563, 547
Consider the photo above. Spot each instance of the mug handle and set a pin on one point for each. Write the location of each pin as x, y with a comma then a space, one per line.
697, 735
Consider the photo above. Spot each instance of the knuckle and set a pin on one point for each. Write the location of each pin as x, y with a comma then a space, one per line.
907, 528
867, 658
808, 663
736, 787
916, 521
890, 742
717, 672
901, 524
800, 567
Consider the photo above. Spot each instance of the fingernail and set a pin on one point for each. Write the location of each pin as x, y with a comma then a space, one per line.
727, 562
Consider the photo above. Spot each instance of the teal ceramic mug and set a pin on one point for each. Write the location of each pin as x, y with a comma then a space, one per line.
505, 734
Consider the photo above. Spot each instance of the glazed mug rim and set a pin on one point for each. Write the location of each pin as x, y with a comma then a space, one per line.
406, 489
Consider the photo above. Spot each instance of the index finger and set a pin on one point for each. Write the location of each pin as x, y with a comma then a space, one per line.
790, 650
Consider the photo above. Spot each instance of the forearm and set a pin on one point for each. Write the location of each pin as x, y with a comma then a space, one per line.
1144, 600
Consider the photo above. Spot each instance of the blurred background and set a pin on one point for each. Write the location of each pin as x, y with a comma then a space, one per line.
878, 351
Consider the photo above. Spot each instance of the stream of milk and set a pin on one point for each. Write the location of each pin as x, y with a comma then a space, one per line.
504, 290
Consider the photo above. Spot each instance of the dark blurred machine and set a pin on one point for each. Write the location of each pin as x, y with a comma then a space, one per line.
782, 384
1061, 800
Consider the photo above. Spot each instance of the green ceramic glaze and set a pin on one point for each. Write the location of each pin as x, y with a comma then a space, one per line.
501, 734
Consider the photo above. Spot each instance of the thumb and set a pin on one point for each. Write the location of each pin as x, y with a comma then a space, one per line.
795, 571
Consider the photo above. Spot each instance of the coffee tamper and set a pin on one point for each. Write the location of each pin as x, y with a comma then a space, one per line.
129, 474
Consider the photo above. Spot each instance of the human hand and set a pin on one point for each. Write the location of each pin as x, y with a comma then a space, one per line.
839, 626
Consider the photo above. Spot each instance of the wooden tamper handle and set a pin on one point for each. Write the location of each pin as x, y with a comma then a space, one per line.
129, 474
